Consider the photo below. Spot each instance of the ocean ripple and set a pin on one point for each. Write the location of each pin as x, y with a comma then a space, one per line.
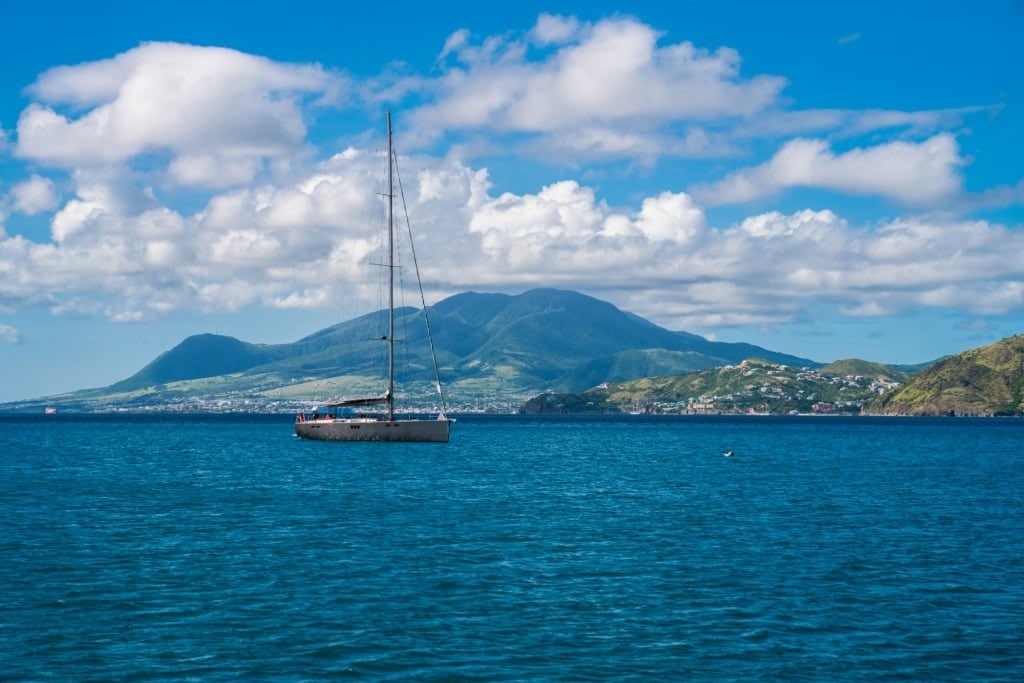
526, 549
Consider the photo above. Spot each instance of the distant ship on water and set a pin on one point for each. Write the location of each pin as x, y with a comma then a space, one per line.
50, 411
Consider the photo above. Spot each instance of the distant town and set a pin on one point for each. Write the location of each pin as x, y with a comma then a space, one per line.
749, 387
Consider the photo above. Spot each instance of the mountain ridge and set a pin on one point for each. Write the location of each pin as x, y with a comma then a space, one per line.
496, 351
489, 345
547, 332
983, 381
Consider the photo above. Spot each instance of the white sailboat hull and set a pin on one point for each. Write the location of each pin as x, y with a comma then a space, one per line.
372, 429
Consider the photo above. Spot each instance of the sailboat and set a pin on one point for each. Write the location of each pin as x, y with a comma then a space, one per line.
337, 423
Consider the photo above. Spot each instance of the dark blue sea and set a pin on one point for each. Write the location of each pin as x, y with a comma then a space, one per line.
527, 549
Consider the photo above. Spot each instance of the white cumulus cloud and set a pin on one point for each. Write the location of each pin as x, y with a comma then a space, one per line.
612, 71
35, 195
307, 243
925, 173
187, 100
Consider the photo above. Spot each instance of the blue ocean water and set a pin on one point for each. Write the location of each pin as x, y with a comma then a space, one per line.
605, 549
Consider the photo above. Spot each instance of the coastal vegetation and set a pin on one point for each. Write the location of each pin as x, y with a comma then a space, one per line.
985, 381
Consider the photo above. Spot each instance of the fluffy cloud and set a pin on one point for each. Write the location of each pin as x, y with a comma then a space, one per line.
769, 268
288, 245
564, 232
293, 245
192, 102
617, 89
765, 269
212, 171
35, 195
610, 72
925, 173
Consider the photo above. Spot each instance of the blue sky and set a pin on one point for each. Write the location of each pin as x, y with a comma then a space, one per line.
830, 180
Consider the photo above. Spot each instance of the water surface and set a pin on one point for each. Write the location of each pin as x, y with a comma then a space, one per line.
612, 549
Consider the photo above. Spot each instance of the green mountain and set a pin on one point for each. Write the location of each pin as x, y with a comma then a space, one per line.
202, 355
752, 386
988, 380
494, 350
549, 336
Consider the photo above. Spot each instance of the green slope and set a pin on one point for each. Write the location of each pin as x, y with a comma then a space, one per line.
632, 364
988, 380
199, 356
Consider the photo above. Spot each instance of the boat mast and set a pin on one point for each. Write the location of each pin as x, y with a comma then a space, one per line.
391, 276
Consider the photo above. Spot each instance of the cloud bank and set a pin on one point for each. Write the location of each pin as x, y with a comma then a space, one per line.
184, 177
